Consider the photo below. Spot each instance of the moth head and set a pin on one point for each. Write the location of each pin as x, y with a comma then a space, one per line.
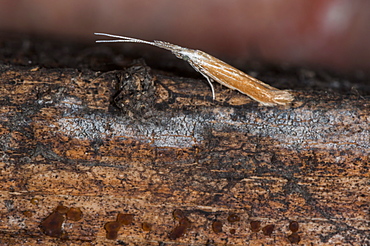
182, 56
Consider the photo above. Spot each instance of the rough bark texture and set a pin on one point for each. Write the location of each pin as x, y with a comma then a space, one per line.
143, 142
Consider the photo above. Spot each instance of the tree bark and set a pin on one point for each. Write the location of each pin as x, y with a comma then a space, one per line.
145, 142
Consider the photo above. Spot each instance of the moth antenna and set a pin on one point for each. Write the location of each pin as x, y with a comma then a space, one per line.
122, 39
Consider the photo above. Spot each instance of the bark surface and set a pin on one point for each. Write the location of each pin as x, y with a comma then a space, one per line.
146, 142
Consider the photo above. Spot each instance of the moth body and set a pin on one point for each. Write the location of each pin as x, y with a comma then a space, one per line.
214, 69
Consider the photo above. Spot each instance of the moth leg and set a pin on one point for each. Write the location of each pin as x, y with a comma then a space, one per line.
210, 83
210, 80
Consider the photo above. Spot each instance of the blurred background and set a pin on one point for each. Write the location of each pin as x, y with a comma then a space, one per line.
332, 34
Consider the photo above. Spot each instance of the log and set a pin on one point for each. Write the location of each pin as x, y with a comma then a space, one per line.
84, 151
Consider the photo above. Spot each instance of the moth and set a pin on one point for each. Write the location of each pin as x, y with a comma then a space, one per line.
214, 69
